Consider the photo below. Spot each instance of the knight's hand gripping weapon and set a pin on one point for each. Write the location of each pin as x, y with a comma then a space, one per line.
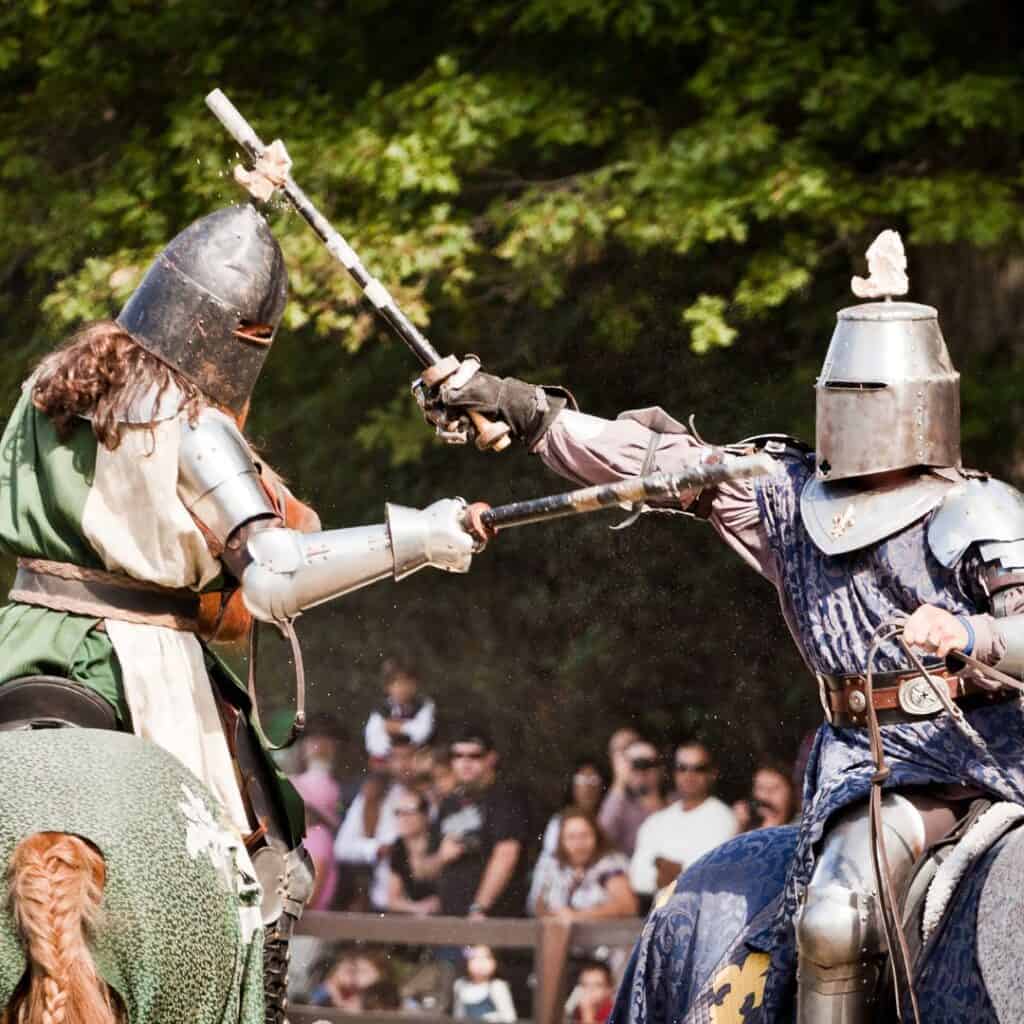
490, 435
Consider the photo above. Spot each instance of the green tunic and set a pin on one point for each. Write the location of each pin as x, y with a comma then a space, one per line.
179, 938
44, 487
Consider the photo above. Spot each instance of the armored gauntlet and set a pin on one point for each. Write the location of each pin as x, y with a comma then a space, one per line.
527, 408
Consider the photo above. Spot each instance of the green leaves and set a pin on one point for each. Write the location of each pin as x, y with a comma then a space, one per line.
510, 164
708, 328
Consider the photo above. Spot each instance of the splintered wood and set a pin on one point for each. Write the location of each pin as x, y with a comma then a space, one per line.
268, 173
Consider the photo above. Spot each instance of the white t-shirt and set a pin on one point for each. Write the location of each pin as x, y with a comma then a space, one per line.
682, 836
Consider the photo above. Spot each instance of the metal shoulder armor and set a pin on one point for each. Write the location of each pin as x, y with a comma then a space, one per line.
985, 512
217, 478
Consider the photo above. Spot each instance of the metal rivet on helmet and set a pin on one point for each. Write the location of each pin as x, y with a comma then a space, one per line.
887, 397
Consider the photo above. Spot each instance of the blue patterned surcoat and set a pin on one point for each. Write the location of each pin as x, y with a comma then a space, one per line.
833, 606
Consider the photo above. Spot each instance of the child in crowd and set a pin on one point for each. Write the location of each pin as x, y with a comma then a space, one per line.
480, 995
592, 998
347, 981
404, 712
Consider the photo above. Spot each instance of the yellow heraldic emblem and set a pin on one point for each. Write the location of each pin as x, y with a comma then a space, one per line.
739, 988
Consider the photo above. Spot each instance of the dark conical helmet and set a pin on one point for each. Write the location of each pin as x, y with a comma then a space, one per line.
210, 304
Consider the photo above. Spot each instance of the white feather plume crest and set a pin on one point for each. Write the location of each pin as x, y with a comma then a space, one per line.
887, 269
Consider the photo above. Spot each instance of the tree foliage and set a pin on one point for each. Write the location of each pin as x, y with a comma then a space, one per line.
656, 201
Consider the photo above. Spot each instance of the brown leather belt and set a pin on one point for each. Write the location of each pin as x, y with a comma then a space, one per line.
900, 697
63, 587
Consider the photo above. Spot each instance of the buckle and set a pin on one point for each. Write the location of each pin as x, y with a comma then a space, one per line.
917, 697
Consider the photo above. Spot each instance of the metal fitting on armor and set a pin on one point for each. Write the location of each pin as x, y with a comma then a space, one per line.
292, 571
838, 925
839, 929
989, 513
434, 536
217, 479
887, 396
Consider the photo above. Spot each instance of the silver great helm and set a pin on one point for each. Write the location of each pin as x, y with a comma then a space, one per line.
210, 304
888, 396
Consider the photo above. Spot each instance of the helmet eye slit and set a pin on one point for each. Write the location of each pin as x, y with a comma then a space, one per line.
855, 385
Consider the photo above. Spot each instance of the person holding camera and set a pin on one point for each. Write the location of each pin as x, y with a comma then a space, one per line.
635, 792
483, 830
772, 801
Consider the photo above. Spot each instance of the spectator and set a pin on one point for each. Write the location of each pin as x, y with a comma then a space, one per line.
618, 744
369, 828
433, 776
773, 799
480, 995
339, 988
353, 974
693, 824
585, 880
635, 795
412, 886
483, 829
592, 998
405, 712
585, 790
321, 795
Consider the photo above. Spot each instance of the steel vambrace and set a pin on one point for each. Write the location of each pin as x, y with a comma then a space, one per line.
289, 571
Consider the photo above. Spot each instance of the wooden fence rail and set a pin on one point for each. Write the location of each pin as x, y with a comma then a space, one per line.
548, 938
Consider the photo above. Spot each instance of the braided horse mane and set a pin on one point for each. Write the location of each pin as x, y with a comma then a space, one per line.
56, 884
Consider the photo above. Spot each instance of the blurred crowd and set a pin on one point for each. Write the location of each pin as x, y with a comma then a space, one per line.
432, 826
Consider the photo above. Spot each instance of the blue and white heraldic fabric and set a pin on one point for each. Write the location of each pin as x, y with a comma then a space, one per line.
750, 888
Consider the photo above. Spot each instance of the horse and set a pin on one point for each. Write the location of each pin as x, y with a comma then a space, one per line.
963, 913
130, 898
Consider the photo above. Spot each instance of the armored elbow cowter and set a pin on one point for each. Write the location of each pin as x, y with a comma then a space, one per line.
282, 571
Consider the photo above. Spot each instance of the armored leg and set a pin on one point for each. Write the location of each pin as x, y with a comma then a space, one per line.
840, 938
287, 886
283, 867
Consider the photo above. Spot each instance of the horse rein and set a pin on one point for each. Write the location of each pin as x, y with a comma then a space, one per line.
892, 629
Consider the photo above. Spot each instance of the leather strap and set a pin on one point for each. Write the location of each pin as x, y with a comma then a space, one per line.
847, 699
64, 587
640, 507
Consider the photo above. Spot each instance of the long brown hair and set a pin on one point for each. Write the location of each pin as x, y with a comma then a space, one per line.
98, 373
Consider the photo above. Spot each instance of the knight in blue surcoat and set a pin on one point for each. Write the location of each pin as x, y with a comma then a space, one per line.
879, 526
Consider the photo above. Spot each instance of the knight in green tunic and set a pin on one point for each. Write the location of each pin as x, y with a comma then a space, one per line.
130, 497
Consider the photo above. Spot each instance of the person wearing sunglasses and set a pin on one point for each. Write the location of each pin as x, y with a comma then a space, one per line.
630, 802
412, 883
483, 830
694, 823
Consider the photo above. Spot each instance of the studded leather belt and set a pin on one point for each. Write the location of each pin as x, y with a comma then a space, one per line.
899, 697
